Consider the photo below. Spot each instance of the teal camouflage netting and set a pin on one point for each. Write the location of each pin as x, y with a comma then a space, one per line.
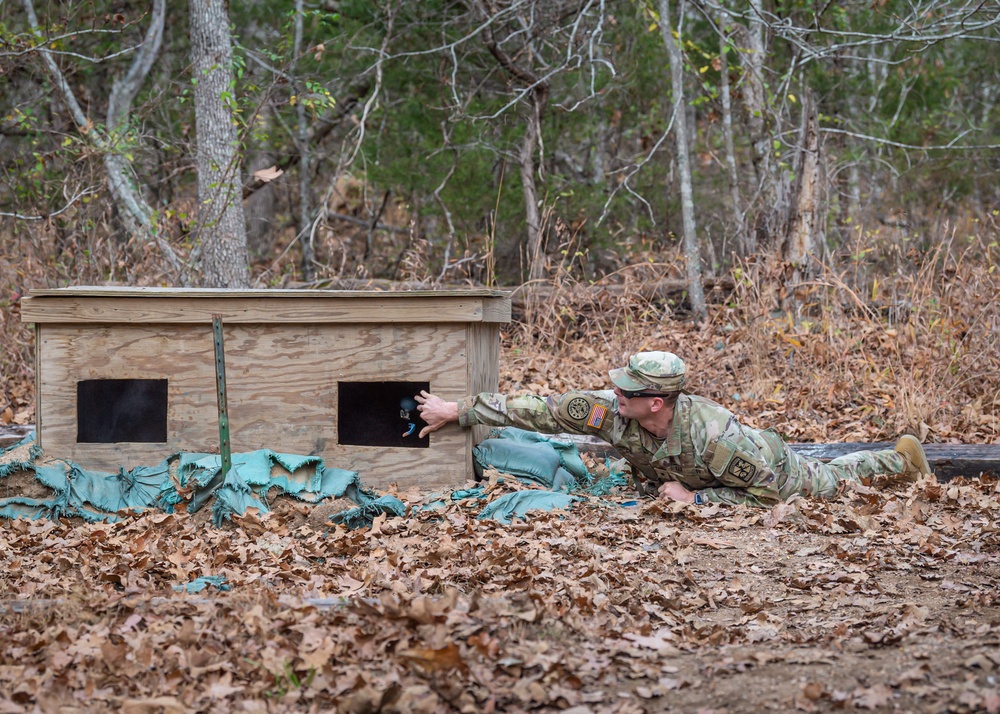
194, 479
197, 479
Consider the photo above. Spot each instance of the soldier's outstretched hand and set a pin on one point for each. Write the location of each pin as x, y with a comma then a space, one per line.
435, 411
674, 491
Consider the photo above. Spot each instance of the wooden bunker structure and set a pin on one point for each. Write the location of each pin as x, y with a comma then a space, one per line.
127, 376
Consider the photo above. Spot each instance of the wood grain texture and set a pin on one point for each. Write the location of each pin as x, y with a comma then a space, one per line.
263, 310
38, 392
191, 305
159, 292
483, 372
497, 309
281, 389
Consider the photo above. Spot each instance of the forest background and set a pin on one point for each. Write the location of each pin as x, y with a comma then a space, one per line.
798, 197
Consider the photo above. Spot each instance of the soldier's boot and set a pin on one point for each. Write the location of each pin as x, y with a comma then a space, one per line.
910, 449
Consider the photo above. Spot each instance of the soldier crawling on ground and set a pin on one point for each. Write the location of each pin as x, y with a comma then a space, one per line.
683, 447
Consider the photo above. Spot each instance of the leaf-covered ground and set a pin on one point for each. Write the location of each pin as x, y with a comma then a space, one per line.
884, 598
881, 599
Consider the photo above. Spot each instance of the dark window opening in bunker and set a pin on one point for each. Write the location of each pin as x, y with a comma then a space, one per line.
380, 414
110, 411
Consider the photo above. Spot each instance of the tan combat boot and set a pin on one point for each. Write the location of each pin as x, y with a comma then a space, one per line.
913, 454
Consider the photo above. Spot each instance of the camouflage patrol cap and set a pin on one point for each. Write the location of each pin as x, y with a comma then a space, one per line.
654, 371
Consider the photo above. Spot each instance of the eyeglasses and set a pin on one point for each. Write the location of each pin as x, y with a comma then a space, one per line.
628, 394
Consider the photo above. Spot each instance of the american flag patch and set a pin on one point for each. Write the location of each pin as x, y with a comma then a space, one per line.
597, 414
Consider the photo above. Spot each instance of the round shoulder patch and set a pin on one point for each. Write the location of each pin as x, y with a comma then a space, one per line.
578, 408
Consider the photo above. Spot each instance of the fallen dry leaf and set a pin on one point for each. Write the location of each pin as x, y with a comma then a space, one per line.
267, 175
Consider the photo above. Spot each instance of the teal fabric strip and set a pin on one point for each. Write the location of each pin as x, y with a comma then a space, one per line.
518, 504
193, 479
200, 583
364, 516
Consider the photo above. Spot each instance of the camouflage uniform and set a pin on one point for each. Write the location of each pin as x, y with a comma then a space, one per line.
707, 449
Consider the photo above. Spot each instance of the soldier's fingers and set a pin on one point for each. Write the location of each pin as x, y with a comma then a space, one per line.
425, 431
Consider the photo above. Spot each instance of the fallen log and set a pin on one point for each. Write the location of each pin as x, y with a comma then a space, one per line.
948, 461
12, 433
534, 294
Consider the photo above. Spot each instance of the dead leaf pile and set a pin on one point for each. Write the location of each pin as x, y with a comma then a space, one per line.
878, 599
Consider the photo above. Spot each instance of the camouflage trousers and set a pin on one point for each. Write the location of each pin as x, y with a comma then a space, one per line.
807, 476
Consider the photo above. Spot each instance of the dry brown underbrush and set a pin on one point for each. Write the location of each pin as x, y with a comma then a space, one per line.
48, 255
896, 341
820, 359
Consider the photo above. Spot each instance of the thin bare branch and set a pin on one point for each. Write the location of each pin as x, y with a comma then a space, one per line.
89, 191
631, 171
920, 28
950, 146
74, 55
373, 99
135, 209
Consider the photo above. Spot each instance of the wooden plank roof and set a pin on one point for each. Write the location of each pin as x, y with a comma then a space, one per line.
111, 304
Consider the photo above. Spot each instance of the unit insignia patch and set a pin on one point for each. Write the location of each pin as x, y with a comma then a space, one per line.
578, 408
741, 469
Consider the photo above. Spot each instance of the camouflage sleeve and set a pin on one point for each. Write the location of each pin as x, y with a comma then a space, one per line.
735, 497
739, 463
571, 413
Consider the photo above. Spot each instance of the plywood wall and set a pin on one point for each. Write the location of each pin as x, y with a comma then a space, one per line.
281, 388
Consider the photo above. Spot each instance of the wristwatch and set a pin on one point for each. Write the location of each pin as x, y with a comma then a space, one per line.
697, 499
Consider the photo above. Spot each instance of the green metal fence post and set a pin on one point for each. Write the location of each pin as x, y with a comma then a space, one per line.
220, 384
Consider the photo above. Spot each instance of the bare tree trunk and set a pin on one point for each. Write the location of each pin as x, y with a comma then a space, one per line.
259, 206
123, 93
526, 160
853, 192
732, 175
691, 253
538, 96
755, 114
305, 178
221, 223
801, 239
599, 157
